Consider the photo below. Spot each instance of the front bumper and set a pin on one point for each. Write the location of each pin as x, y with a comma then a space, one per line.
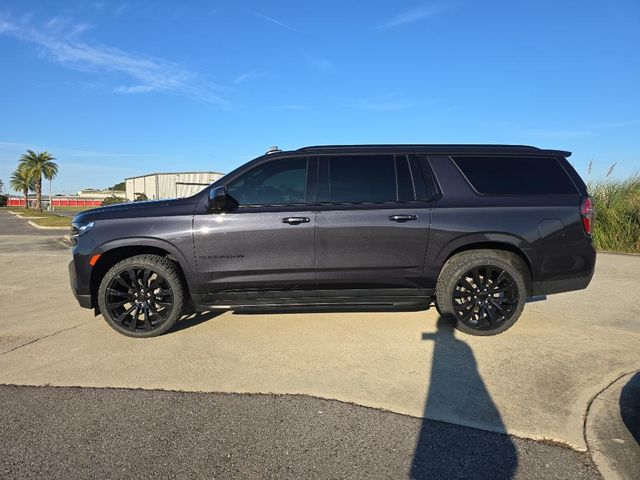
84, 300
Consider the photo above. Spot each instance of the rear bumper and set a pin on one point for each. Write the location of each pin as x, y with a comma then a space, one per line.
559, 286
83, 299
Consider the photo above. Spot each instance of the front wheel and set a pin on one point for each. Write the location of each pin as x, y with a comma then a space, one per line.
483, 291
142, 296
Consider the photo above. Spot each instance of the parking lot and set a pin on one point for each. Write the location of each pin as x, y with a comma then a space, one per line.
534, 382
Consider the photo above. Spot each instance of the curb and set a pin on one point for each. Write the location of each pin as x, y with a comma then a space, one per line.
610, 442
25, 218
48, 228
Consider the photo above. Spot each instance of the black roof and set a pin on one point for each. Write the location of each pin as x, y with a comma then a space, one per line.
447, 149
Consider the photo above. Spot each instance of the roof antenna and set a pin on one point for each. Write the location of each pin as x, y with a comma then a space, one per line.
273, 149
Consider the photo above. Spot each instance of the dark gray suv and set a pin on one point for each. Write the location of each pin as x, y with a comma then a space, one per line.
475, 229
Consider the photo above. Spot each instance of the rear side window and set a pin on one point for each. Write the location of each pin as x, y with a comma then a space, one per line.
368, 179
516, 175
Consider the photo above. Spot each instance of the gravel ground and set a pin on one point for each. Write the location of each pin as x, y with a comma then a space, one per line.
55, 432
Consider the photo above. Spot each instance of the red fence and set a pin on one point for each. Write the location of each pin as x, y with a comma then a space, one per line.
57, 202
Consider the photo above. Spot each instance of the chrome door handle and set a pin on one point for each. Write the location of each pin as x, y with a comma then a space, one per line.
296, 220
403, 218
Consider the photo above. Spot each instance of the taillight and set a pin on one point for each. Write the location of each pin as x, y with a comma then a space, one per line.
587, 213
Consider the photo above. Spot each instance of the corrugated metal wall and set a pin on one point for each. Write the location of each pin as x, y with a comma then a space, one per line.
170, 185
129, 188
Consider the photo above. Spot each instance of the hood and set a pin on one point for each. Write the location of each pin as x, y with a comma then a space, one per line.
151, 208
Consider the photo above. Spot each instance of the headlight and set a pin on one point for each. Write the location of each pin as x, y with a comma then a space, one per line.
81, 229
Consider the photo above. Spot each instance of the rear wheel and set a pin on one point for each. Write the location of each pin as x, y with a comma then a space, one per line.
483, 291
142, 296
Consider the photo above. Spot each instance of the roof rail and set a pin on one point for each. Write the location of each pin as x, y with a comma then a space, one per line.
419, 145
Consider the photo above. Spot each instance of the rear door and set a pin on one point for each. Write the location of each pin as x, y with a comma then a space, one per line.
372, 224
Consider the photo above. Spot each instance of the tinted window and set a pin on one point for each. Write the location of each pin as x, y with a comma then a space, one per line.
370, 179
278, 182
516, 175
405, 183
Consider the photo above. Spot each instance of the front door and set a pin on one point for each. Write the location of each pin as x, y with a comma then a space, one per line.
372, 231
264, 246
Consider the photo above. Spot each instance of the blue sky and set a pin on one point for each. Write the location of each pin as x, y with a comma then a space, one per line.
116, 89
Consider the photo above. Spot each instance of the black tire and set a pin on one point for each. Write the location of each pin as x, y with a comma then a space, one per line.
142, 296
483, 291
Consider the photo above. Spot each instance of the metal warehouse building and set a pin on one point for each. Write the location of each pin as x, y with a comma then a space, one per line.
169, 185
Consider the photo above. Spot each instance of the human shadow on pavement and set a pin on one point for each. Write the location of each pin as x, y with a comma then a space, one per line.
456, 390
630, 406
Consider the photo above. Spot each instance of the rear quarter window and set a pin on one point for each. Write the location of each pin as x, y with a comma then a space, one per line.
516, 175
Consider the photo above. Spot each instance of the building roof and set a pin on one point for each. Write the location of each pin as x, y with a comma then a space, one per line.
174, 173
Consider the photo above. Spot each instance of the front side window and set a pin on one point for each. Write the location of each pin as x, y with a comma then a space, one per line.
369, 179
278, 182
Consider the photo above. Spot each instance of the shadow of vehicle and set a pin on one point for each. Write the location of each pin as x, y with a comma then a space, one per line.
630, 406
456, 390
192, 319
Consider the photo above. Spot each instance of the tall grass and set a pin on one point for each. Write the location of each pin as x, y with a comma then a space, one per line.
617, 203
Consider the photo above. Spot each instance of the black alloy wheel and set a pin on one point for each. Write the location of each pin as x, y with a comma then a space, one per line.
142, 296
483, 291
139, 299
485, 297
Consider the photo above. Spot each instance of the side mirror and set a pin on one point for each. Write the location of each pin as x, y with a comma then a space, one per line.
220, 201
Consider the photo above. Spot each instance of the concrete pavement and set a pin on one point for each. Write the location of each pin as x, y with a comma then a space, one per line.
535, 381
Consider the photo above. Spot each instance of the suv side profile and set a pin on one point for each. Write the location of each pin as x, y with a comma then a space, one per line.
475, 229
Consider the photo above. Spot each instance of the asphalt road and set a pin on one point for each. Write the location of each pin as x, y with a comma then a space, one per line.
10, 225
70, 433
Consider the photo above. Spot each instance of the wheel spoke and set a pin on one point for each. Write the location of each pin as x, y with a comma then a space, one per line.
119, 304
145, 277
117, 293
147, 322
124, 314
134, 278
499, 308
134, 321
156, 312
121, 282
489, 314
476, 277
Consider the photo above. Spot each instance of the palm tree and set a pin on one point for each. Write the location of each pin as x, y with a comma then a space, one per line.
22, 181
39, 165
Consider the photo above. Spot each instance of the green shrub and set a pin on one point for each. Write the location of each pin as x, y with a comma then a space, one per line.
617, 223
3, 200
112, 200
140, 197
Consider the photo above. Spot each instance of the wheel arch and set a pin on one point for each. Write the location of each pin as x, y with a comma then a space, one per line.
114, 252
502, 244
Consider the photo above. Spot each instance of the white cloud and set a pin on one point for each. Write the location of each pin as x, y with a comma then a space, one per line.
242, 77
149, 73
134, 89
276, 22
413, 15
